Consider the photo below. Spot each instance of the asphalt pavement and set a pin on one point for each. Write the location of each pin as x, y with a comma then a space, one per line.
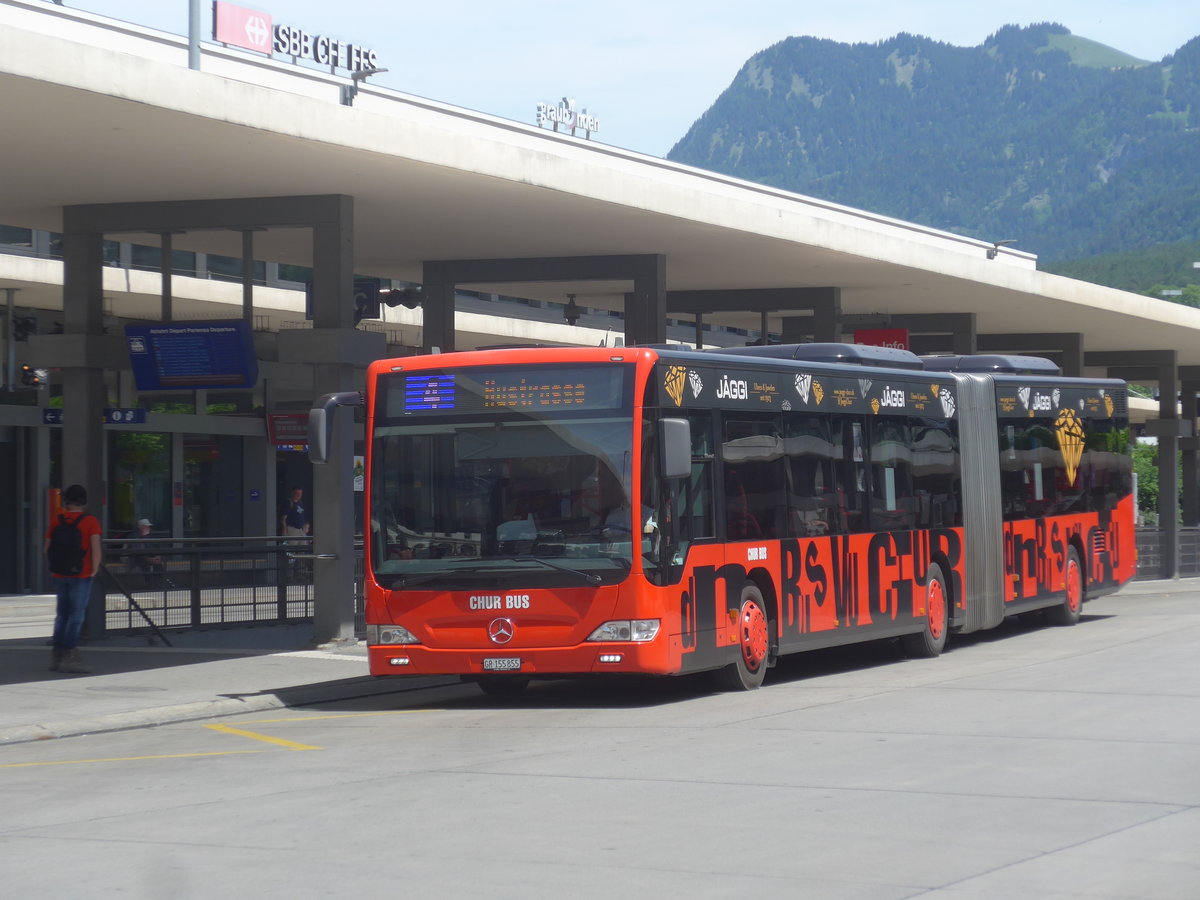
137, 683
214, 672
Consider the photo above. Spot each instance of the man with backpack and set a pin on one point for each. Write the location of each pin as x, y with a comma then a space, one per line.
72, 550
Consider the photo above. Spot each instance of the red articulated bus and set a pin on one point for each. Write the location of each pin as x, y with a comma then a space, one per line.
540, 512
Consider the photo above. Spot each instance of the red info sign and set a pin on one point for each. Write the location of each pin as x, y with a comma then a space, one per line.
241, 27
896, 338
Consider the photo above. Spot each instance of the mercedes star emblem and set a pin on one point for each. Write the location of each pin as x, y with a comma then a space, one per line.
500, 630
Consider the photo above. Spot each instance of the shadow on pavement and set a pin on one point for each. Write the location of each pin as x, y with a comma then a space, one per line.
27, 660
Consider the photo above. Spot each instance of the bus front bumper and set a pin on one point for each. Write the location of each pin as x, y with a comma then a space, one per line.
649, 658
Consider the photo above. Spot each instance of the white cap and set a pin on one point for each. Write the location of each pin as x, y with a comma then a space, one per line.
145, 522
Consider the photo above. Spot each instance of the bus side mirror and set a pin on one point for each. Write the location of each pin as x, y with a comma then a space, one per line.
675, 445
320, 422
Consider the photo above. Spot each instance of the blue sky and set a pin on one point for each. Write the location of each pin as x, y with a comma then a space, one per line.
646, 69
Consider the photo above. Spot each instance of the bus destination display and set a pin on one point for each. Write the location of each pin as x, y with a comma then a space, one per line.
515, 388
424, 392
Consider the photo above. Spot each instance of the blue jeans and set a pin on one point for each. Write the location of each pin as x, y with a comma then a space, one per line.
73, 594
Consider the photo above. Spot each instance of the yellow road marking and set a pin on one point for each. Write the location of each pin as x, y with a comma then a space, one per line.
291, 745
255, 736
111, 759
391, 712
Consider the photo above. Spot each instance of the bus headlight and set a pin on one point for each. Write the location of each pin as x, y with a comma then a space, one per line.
639, 630
390, 634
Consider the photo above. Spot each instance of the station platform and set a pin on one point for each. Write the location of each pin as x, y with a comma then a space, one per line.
136, 683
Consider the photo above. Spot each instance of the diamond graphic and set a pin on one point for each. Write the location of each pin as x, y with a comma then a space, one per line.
948, 405
803, 385
1023, 393
818, 392
696, 384
1071, 438
864, 385
673, 382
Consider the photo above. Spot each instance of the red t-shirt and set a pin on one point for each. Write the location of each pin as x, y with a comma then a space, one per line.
88, 525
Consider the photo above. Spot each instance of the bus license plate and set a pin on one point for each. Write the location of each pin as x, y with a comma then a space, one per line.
501, 663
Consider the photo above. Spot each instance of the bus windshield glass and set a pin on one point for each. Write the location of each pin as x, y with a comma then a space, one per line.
507, 476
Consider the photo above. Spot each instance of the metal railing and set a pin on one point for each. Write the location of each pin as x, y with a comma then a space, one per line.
1150, 553
162, 584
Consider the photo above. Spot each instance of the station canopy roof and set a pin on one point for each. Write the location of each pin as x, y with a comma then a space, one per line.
93, 113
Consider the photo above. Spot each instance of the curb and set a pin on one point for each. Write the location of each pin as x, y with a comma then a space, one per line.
349, 689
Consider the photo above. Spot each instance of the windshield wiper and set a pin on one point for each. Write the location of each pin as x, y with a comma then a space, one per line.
406, 581
589, 577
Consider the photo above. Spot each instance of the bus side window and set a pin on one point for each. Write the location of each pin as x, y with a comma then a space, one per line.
851, 487
811, 457
695, 501
753, 471
892, 506
935, 472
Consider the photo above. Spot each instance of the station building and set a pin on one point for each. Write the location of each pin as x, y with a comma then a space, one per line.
153, 180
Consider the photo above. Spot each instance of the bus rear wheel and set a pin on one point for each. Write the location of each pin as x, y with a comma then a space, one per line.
1067, 612
931, 640
754, 644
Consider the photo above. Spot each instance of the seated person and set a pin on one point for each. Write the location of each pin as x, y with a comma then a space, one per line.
139, 557
517, 535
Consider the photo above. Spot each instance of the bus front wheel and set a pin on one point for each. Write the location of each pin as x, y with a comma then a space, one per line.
1067, 612
754, 644
930, 641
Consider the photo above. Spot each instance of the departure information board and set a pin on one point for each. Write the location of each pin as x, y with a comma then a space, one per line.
533, 389
192, 355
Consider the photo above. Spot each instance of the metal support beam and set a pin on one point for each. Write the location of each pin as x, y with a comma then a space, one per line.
10, 340
166, 270
1190, 456
331, 218
83, 386
1165, 365
645, 307
248, 276
1065, 348
928, 332
754, 300
437, 309
333, 484
825, 303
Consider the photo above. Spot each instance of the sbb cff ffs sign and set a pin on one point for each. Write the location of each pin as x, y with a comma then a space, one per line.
250, 29
241, 27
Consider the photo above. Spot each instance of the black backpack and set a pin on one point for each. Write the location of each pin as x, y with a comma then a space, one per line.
66, 551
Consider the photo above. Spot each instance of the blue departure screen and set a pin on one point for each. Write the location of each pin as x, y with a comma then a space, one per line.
427, 392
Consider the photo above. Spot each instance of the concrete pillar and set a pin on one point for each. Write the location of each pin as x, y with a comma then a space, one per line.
1169, 429
83, 386
1190, 457
333, 497
437, 311
646, 306
258, 487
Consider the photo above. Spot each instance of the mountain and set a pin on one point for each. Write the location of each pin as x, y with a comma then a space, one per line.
1069, 147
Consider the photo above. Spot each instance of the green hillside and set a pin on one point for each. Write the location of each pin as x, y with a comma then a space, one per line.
1072, 148
1167, 267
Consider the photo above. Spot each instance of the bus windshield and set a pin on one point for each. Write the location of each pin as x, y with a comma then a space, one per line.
533, 497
